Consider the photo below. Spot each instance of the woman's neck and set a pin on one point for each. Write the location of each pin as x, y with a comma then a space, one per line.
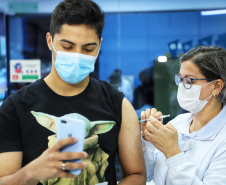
211, 110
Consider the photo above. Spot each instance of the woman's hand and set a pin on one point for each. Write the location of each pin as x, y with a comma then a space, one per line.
163, 137
145, 115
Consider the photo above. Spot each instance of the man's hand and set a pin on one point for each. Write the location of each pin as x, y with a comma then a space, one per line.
49, 164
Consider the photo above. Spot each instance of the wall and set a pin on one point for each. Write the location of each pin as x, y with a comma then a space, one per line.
132, 41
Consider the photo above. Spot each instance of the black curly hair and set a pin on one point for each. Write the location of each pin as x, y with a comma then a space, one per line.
77, 12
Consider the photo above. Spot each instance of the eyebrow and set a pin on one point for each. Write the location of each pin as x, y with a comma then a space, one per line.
64, 40
188, 76
88, 44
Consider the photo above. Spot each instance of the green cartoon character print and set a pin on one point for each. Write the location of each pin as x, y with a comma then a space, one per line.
97, 159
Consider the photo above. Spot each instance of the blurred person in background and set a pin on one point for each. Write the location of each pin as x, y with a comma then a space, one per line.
144, 93
122, 84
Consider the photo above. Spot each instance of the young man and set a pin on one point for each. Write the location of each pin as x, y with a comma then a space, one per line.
28, 118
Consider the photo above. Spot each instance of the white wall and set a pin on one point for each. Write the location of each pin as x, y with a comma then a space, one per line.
47, 6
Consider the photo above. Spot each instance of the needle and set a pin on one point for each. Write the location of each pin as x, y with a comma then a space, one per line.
164, 116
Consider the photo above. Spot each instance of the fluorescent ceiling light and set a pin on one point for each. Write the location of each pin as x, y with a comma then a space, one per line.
162, 59
213, 12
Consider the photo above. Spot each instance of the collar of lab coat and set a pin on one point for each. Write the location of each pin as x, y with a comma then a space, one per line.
209, 131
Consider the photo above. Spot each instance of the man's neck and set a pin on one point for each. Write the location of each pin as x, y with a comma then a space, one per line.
62, 88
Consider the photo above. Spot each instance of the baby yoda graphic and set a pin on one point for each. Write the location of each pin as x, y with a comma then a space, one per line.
97, 158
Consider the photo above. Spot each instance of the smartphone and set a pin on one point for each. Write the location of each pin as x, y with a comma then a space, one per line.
69, 127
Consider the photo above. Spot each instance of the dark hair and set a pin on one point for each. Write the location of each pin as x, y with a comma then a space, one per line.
118, 71
17, 64
77, 12
211, 60
115, 78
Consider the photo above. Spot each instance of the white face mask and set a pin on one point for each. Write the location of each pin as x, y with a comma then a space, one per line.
188, 99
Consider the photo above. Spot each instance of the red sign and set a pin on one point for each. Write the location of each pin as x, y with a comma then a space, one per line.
15, 77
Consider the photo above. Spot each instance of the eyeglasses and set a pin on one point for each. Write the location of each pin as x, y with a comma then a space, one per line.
187, 82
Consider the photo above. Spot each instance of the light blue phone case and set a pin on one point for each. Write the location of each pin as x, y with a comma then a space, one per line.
69, 127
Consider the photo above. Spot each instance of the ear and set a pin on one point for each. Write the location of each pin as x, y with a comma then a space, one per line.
100, 127
218, 86
49, 43
46, 120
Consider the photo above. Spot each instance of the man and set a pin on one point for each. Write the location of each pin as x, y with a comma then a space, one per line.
122, 84
28, 117
144, 93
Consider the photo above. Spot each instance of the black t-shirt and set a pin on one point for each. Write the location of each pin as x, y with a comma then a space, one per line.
20, 130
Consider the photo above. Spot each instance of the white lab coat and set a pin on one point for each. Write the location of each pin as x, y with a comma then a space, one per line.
203, 160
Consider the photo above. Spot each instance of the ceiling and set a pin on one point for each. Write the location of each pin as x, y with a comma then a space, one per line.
110, 6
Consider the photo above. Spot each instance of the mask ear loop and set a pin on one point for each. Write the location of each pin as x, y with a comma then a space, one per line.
209, 97
206, 85
97, 53
52, 45
53, 48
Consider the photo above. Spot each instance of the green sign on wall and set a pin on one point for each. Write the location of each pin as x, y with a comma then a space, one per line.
23, 7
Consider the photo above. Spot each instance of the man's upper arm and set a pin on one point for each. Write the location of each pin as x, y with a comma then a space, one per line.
10, 162
10, 127
130, 147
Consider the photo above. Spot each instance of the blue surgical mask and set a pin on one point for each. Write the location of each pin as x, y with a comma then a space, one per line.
73, 67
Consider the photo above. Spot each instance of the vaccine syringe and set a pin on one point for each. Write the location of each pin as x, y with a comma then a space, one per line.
163, 116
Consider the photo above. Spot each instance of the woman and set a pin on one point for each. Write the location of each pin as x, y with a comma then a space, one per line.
191, 149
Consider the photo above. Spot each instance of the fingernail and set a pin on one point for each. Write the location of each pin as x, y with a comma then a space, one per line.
85, 155
84, 165
75, 140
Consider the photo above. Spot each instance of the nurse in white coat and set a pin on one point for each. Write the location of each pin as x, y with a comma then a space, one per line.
191, 149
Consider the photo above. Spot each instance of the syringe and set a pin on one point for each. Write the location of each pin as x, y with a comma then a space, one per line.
163, 116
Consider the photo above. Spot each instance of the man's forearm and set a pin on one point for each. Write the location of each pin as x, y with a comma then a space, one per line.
21, 177
134, 179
